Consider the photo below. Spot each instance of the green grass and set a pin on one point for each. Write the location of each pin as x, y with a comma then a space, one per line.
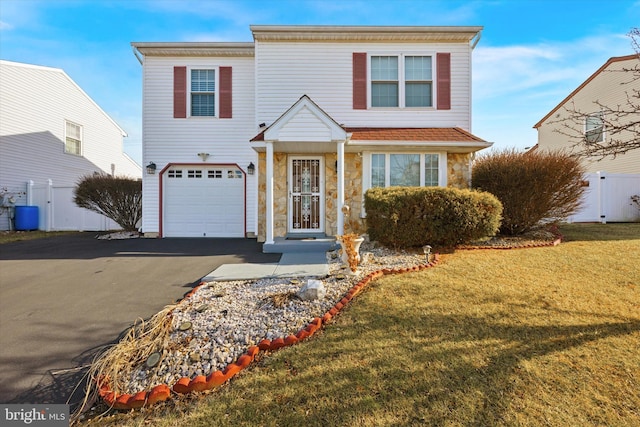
528, 337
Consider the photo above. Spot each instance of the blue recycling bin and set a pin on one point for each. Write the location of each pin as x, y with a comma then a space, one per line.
26, 218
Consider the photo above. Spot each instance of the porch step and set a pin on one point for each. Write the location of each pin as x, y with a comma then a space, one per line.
309, 244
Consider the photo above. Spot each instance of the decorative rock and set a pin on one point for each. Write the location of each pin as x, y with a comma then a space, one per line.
229, 323
313, 290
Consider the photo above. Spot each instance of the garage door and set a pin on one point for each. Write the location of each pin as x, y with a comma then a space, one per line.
203, 202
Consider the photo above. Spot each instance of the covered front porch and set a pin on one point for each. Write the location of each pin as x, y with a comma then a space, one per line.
301, 164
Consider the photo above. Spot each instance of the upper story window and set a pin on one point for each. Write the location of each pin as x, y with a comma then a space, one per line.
418, 81
594, 128
401, 81
203, 93
404, 170
73, 138
384, 81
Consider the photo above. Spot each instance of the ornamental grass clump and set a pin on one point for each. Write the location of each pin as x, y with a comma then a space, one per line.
534, 187
117, 198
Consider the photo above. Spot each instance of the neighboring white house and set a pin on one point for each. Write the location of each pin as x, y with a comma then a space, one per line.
274, 137
614, 179
51, 135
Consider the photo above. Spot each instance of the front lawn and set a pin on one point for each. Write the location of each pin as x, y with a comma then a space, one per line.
544, 336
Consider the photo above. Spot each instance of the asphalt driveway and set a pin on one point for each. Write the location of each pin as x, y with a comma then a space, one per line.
62, 299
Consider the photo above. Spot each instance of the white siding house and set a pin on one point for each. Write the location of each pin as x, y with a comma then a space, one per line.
301, 122
610, 85
51, 135
612, 180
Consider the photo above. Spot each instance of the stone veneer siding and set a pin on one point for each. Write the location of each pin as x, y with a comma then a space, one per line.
458, 175
353, 193
458, 170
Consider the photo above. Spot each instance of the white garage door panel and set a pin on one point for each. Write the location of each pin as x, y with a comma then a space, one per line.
204, 202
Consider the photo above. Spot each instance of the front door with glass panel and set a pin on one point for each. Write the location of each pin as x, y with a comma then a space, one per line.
306, 195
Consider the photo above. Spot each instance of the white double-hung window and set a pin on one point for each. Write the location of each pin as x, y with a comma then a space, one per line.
73, 138
401, 81
594, 128
405, 170
203, 93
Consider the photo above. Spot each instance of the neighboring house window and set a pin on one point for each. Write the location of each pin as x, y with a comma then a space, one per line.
203, 93
401, 81
73, 139
594, 128
404, 170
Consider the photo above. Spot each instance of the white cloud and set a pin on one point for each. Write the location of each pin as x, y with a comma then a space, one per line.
5, 26
513, 70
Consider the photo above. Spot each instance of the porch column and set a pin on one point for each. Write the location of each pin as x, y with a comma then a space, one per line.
269, 188
340, 201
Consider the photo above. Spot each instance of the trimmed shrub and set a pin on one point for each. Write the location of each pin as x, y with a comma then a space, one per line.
117, 198
534, 187
418, 216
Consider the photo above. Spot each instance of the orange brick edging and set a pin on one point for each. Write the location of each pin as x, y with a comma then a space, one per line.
185, 385
558, 239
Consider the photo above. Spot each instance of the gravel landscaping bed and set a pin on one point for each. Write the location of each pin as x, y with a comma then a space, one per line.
219, 321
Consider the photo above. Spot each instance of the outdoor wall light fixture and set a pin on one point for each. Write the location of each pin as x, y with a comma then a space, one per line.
251, 169
151, 168
204, 156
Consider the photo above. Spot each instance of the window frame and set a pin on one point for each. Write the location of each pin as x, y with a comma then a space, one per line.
368, 165
402, 79
216, 90
598, 130
79, 142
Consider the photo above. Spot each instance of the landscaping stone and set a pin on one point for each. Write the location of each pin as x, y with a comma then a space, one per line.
312, 290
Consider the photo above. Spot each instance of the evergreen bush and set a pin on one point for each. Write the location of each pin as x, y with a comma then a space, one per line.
418, 216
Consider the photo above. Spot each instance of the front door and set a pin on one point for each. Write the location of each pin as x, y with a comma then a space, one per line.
306, 195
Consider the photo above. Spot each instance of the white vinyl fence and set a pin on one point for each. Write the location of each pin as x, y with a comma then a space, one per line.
608, 198
58, 211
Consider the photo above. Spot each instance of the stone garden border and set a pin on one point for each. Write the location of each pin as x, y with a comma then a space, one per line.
186, 385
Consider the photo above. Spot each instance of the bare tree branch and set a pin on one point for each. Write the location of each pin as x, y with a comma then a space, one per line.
620, 122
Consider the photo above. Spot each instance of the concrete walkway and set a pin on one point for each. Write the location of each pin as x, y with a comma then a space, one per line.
292, 264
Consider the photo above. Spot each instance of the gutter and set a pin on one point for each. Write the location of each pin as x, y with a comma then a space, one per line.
137, 54
476, 39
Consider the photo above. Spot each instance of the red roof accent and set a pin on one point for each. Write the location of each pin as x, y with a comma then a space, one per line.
404, 134
412, 134
579, 88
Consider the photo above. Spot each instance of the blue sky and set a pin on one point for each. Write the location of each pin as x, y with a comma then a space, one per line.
531, 55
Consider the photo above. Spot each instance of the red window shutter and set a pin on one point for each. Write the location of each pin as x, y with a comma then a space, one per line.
179, 92
359, 81
443, 76
226, 105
